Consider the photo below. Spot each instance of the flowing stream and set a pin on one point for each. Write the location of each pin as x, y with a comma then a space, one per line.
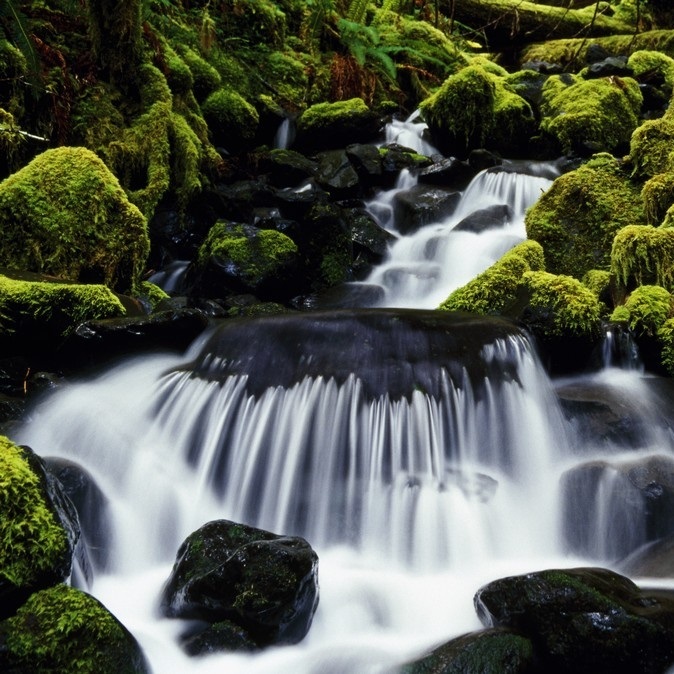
415, 484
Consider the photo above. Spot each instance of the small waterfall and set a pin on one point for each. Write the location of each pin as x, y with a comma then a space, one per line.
424, 267
619, 349
285, 134
410, 133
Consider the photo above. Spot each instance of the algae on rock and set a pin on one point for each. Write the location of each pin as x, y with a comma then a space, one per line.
65, 214
576, 219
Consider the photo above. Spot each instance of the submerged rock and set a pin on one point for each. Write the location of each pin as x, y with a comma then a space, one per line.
586, 620
243, 581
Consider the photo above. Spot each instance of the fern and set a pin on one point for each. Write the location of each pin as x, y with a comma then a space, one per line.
364, 44
14, 25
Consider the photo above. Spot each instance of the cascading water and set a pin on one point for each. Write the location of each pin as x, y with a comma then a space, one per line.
419, 454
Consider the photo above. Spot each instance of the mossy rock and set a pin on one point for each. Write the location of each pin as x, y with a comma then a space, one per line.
243, 258
599, 282
65, 214
576, 219
38, 316
653, 66
560, 306
495, 291
658, 197
588, 116
326, 126
39, 528
206, 79
645, 310
666, 339
652, 147
643, 255
62, 630
476, 108
232, 120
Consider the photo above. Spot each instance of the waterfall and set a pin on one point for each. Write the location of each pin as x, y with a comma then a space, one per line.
423, 268
420, 453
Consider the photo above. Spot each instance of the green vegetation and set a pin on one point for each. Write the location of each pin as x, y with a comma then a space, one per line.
577, 218
65, 214
495, 290
646, 310
62, 630
232, 120
32, 541
643, 255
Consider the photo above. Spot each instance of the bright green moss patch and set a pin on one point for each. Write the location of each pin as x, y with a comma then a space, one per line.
646, 310
246, 252
646, 64
658, 197
62, 630
597, 280
590, 115
652, 147
65, 214
495, 289
666, 339
31, 539
34, 312
475, 108
567, 306
643, 255
324, 115
577, 218
232, 120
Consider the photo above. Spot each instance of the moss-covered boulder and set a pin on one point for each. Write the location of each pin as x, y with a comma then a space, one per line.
588, 116
495, 291
493, 651
642, 255
577, 218
65, 214
477, 108
583, 620
38, 316
61, 630
242, 258
39, 528
231, 119
264, 583
328, 126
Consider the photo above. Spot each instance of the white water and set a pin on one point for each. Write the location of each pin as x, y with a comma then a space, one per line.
414, 505
423, 268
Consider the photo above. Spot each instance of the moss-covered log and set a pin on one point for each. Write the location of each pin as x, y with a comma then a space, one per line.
505, 24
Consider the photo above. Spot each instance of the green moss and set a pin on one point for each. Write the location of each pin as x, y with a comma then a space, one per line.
65, 214
62, 630
154, 86
646, 310
178, 74
666, 339
495, 290
643, 255
568, 306
652, 147
254, 254
475, 108
31, 538
646, 64
323, 115
152, 294
598, 114
232, 120
96, 116
577, 218
658, 196
289, 76
206, 78
597, 280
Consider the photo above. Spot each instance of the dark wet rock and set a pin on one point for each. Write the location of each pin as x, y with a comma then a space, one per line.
544, 67
492, 217
422, 205
493, 651
346, 296
367, 162
295, 203
586, 621
394, 352
336, 175
96, 342
91, 505
396, 157
238, 200
482, 159
287, 168
612, 66
632, 502
447, 172
653, 560
216, 638
368, 237
263, 583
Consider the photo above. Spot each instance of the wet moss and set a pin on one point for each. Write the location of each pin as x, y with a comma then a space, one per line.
651, 64
666, 339
65, 214
577, 218
206, 79
643, 255
62, 630
646, 310
493, 291
32, 541
232, 120
561, 306
658, 196
652, 147
590, 115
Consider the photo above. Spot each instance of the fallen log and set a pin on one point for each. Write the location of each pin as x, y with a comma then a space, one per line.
505, 24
